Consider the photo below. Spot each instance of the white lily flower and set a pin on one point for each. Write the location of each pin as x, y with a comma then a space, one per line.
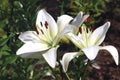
89, 42
44, 41
64, 20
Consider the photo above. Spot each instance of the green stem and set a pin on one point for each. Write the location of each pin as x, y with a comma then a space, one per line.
85, 72
67, 76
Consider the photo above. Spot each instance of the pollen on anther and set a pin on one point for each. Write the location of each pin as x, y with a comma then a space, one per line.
46, 24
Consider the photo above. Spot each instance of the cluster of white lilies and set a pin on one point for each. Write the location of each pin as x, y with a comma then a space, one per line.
45, 40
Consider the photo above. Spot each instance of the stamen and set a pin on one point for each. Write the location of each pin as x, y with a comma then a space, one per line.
87, 20
36, 30
41, 24
86, 29
46, 24
80, 30
42, 31
92, 28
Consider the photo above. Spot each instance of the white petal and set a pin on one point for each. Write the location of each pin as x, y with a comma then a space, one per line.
50, 56
29, 36
43, 16
113, 51
75, 25
63, 21
79, 19
67, 29
83, 19
67, 57
91, 52
99, 34
75, 39
32, 50
95, 65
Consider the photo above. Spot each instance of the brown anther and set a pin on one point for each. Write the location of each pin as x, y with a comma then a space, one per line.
92, 27
41, 24
36, 30
80, 30
42, 31
46, 24
87, 20
87, 30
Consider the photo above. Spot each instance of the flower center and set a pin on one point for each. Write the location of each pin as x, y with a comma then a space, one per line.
43, 32
85, 33
43, 27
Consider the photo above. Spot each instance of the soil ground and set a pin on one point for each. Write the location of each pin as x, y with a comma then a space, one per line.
109, 70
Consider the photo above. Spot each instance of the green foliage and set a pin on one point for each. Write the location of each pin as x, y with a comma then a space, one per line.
15, 16
94, 7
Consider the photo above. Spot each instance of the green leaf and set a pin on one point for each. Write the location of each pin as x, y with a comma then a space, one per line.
10, 59
4, 41
3, 23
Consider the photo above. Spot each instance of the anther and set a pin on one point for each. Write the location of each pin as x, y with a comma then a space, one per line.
80, 30
87, 30
42, 31
41, 24
36, 30
87, 20
46, 24
92, 28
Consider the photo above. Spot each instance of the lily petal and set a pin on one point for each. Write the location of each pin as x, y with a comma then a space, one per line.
83, 19
113, 51
29, 36
76, 40
79, 19
32, 50
67, 57
42, 17
63, 21
66, 30
74, 27
50, 56
91, 52
99, 34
